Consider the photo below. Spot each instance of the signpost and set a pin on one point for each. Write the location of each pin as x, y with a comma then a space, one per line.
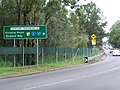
25, 32
93, 36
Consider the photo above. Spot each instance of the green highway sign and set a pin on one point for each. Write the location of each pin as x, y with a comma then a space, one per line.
25, 32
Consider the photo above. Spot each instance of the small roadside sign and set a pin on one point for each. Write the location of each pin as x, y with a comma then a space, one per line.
93, 36
93, 40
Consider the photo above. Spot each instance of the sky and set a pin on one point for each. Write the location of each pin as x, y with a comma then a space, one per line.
110, 9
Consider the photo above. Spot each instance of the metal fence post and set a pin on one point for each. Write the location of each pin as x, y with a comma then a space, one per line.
79, 53
14, 55
73, 53
83, 53
23, 55
87, 52
90, 52
37, 53
56, 55
42, 55
65, 55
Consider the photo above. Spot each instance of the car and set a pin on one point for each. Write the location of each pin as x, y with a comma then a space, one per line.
111, 50
116, 53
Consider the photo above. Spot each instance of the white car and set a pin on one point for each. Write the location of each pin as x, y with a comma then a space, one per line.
116, 53
111, 50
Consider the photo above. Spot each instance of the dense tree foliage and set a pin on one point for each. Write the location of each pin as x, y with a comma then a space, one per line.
114, 38
91, 21
66, 27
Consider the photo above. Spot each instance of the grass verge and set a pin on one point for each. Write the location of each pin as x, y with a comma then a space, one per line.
16, 71
13, 71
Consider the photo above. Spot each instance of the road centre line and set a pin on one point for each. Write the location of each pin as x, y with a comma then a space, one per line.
72, 79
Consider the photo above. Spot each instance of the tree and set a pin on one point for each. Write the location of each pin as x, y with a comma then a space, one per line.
90, 21
65, 29
114, 38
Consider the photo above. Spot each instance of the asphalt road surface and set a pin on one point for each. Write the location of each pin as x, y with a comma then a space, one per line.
104, 75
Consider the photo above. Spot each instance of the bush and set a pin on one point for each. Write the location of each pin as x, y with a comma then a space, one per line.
5, 64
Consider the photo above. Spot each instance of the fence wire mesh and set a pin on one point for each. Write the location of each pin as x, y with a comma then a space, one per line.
46, 55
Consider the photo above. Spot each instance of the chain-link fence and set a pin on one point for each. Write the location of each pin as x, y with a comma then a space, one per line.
16, 56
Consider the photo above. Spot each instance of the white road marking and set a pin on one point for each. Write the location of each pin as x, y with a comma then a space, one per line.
72, 79
48, 84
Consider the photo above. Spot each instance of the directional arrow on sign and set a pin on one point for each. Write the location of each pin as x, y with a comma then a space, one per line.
43, 33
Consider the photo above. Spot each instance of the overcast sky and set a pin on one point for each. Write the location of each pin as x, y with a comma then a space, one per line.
110, 9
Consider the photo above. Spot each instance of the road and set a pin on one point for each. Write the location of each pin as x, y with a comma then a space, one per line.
104, 75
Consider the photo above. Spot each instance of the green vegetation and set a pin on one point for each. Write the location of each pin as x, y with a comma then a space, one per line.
46, 55
114, 37
5, 63
8, 71
66, 28
49, 63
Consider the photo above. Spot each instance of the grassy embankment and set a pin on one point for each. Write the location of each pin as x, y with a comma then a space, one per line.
8, 71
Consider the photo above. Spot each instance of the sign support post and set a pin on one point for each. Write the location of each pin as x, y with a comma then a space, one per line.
93, 36
14, 55
23, 55
37, 52
25, 32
